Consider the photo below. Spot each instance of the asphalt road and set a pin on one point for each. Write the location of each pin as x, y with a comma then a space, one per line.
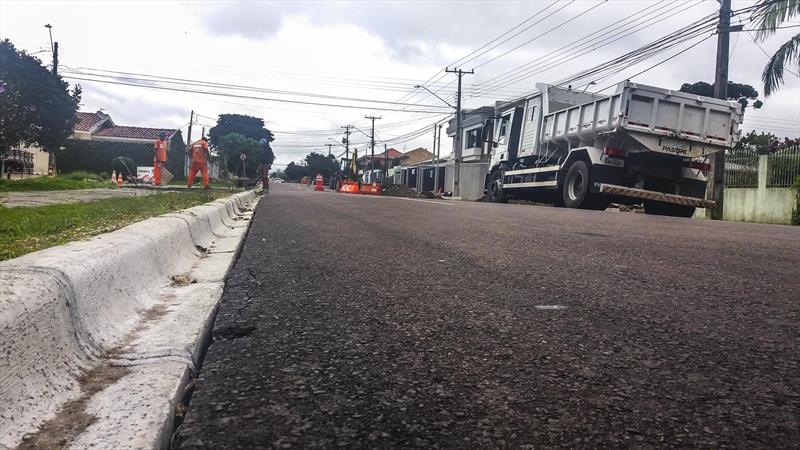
367, 322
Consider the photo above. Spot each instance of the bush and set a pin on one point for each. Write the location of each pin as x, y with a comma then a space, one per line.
96, 156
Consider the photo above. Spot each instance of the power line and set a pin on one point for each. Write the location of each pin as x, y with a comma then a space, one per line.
222, 94
539, 35
585, 44
188, 82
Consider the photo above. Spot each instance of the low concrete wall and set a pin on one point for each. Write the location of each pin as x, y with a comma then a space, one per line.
758, 205
762, 205
63, 308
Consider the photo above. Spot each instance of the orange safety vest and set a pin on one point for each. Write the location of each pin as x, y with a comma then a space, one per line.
160, 150
199, 150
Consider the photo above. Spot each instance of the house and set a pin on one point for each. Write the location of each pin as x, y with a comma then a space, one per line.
477, 133
96, 139
416, 156
99, 127
394, 156
21, 162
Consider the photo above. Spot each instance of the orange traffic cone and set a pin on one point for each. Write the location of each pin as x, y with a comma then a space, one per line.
119, 180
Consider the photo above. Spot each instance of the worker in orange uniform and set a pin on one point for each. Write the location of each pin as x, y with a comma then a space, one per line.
199, 151
159, 157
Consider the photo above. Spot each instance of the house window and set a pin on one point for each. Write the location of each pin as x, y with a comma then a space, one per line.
473, 138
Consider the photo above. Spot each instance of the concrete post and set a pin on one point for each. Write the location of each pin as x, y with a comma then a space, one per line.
763, 171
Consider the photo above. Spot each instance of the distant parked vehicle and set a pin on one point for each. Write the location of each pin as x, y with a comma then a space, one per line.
583, 150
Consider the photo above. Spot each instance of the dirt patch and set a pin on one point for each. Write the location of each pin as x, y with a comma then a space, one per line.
398, 190
73, 419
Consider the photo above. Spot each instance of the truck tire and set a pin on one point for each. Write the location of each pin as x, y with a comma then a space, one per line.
667, 209
494, 191
575, 188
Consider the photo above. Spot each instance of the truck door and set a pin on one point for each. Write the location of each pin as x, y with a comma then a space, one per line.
529, 142
507, 134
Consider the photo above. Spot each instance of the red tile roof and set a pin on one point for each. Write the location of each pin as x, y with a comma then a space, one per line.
86, 121
134, 132
382, 155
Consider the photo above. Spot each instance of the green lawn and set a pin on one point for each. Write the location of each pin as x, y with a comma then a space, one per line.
25, 230
75, 180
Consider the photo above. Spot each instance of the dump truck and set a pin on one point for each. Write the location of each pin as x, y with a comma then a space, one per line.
641, 144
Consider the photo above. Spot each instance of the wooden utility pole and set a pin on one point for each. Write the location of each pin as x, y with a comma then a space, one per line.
186, 160
715, 187
329, 148
457, 141
385, 163
372, 145
55, 58
347, 143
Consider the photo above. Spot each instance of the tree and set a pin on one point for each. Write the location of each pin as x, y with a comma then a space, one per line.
295, 172
769, 15
742, 93
752, 141
322, 164
247, 126
36, 107
232, 146
279, 174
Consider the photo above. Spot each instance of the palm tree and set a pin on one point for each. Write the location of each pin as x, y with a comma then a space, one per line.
769, 15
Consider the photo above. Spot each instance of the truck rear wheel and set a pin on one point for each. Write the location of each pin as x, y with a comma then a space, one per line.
494, 191
667, 209
575, 189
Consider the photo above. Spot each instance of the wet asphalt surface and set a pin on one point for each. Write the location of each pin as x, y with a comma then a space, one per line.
391, 323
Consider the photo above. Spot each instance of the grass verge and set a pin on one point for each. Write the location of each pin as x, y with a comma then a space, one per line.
74, 180
26, 230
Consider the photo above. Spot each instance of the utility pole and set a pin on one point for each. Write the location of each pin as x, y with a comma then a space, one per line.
186, 161
433, 159
372, 145
385, 163
715, 188
438, 151
329, 148
55, 58
347, 142
53, 48
457, 141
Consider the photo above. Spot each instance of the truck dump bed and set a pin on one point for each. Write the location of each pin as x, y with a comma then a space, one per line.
659, 120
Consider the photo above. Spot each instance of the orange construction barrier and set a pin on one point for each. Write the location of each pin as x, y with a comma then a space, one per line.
349, 187
318, 183
371, 189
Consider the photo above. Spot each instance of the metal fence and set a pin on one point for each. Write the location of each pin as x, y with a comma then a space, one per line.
741, 169
783, 167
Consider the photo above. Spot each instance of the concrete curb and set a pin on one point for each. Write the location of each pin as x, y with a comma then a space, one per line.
63, 310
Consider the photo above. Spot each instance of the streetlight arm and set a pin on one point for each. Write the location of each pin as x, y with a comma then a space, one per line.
435, 95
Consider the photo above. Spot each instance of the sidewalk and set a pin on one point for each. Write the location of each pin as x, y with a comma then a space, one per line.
42, 198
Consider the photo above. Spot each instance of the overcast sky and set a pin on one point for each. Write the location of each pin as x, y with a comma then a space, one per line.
364, 50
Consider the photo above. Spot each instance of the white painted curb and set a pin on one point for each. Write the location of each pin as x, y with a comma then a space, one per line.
63, 309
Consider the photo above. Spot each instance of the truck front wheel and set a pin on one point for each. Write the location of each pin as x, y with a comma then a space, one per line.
495, 189
575, 189
667, 209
